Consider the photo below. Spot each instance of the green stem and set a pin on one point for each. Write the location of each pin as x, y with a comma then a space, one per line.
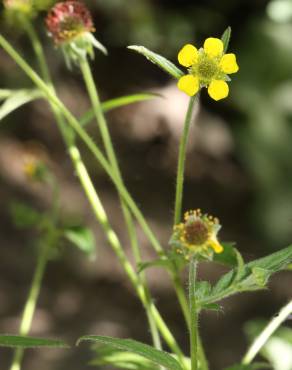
75, 156
30, 305
181, 161
81, 169
170, 340
72, 121
262, 339
193, 314
182, 299
106, 138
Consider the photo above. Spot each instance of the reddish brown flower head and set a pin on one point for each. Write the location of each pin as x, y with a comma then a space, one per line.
68, 20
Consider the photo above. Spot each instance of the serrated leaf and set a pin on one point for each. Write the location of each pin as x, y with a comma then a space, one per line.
117, 103
156, 356
159, 60
82, 238
226, 38
261, 275
223, 283
203, 289
16, 99
249, 278
17, 341
228, 256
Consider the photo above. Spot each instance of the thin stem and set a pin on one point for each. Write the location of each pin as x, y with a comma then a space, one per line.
262, 339
106, 138
193, 315
182, 299
181, 161
102, 124
72, 121
81, 169
30, 305
170, 340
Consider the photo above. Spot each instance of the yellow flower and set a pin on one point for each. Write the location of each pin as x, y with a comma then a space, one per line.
208, 67
198, 234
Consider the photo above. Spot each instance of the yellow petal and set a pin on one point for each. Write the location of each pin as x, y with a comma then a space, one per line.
188, 55
213, 47
189, 84
217, 247
228, 63
218, 89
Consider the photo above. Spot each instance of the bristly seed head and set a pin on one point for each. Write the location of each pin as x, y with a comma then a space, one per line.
68, 20
197, 234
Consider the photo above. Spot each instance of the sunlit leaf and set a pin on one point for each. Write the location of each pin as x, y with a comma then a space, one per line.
17, 341
158, 357
117, 103
106, 355
16, 99
159, 60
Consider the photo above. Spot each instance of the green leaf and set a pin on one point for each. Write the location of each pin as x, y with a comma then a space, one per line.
228, 256
203, 289
16, 99
254, 366
161, 262
82, 238
106, 355
25, 216
253, 276
117, 103
156, 356
226, 38
159, 60
17, 341
240, 265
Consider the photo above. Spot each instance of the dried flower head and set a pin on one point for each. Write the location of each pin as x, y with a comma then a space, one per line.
70, 25
68, 20
208, 67
197, 234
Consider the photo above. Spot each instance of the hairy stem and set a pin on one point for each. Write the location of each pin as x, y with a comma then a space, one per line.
181, 161
193, 315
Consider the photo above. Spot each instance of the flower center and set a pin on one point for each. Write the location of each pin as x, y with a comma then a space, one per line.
196, 232
72, 25
207, 68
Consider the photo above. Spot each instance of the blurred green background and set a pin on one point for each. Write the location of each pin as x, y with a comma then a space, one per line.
239, 168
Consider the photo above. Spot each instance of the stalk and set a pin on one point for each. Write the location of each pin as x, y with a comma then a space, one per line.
81, 169
34, 291
193, 315
181, 161
106, 138
264, 336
